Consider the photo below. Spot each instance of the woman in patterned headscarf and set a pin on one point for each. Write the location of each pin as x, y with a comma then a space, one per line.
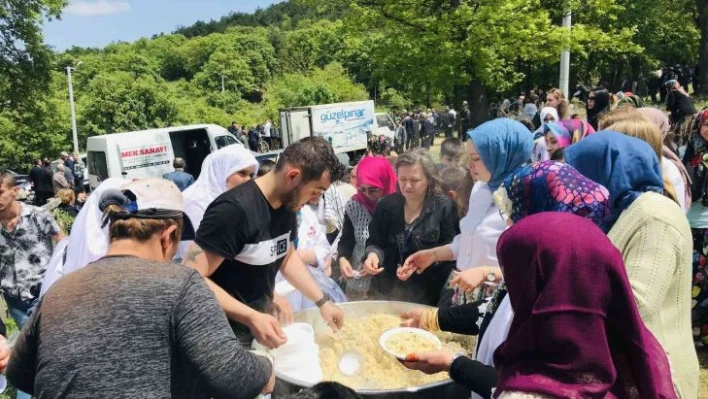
552, 187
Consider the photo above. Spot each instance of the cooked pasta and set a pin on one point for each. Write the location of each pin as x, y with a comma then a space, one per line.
379, 370
409, 342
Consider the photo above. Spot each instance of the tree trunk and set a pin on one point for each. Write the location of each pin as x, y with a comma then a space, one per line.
703, 47
479, 103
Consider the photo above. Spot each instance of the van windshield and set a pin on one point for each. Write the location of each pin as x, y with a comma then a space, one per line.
97, 164
224, 141
384, 121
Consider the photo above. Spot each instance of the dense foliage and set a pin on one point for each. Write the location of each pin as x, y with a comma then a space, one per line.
400, 53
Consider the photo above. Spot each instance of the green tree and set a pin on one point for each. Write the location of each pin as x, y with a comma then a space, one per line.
24, 58
702, 6
328, 85
118, 102
312, 44
432, 50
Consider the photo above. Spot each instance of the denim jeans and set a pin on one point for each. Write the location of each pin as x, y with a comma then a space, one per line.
19, 312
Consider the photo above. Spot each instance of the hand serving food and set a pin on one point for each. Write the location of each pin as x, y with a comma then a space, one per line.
417, 262
429, 362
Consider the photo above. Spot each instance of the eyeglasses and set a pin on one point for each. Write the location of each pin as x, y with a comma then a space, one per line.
370, 190
591, 98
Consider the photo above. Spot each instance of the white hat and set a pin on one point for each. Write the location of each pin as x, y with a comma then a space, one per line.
143, 199
153, 194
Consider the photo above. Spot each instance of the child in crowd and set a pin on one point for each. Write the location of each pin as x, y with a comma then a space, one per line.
265, 166
451, 151
457, 185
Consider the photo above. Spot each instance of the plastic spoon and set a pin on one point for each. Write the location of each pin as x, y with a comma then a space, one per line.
350, 361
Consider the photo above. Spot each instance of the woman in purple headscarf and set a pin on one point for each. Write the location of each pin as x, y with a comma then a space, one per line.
576, 329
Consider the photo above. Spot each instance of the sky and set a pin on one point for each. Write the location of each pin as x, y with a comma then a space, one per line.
96, 23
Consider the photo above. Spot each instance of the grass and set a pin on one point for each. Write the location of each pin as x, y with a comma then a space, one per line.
700, 102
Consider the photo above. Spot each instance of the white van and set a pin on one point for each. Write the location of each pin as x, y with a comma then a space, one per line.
149, 153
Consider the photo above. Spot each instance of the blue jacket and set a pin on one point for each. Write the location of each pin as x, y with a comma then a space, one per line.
180, 178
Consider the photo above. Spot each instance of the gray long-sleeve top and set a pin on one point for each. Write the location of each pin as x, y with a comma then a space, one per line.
125, 327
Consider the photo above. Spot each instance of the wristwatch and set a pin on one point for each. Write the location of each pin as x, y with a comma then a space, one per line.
491, 277
321, 302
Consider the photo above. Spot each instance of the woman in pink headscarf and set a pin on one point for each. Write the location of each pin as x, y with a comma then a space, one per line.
557, 138
579, 129
374, 179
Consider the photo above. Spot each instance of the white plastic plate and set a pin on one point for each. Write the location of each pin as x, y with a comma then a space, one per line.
389, 333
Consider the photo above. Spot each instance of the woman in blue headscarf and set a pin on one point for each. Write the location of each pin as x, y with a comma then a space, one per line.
653, 234
496, 149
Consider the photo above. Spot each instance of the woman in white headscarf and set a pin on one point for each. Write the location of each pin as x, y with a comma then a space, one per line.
540, 152
88, 241
222, 170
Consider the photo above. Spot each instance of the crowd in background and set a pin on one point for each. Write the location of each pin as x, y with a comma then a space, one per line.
267, 132
420, 127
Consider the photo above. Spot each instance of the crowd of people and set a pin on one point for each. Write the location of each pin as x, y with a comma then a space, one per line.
266, 132
48, 177
420, 127
573, 249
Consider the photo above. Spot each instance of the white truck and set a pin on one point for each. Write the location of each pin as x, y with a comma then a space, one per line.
149, 153
347, 126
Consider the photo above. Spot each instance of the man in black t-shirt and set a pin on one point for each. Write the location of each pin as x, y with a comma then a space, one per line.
247, 235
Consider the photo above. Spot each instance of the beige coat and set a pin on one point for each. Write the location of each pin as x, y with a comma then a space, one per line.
655, 240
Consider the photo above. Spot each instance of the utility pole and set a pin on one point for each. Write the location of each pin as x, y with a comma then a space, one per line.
223, 88
74, 131
565, 55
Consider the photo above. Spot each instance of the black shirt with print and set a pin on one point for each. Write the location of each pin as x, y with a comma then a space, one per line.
252, 237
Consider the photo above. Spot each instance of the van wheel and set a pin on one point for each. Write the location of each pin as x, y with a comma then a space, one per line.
263, 147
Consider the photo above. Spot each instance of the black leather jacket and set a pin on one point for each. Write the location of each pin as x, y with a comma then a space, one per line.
393, 242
